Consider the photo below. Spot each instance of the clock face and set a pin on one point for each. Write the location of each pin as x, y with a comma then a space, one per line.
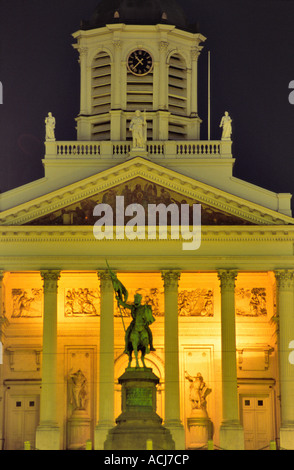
140, 62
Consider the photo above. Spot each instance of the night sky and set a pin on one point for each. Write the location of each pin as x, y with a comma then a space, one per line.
252, 60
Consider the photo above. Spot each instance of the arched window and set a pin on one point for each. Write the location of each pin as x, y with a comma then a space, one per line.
101, 95
177, 85
177, 97
101, 83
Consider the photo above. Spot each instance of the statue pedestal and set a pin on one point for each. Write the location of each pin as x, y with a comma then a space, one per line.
138, 152
138, 421
200, 429
79, 430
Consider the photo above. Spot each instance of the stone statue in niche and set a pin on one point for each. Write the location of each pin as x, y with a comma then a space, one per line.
198, 391
78, 391
138, 127
226, 124
50, 123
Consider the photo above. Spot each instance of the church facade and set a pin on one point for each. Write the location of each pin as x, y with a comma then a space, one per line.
223, 306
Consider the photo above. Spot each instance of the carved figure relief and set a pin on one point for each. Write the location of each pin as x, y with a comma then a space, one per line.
196, 303
27, 303
82, 302
136, 191
251, 302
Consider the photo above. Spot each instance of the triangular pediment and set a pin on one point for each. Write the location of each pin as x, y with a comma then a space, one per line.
143, 182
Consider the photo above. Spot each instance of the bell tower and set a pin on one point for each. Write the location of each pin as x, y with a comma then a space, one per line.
139, 55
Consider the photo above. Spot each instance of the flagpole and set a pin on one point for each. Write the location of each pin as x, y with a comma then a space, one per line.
209, 95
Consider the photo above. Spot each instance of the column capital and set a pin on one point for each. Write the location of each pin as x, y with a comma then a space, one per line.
163, 46
105, 279
285, 278
117, 43
227, 278
195, 53
50, 280
171, 278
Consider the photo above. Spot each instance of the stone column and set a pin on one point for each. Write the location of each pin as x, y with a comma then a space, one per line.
172, 372
84, 108
231, 431
194, 82
3, 324
116, 75
285, 304
163, 76
48, 431
106, 361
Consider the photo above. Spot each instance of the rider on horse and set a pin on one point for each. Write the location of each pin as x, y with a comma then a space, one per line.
134, 310
138, 336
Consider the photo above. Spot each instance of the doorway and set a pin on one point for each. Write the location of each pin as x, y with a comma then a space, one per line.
256, 416
22, 419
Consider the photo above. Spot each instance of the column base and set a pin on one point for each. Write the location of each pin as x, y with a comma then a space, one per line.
287, 437
101, 434
177, 431
232, 436
48, 437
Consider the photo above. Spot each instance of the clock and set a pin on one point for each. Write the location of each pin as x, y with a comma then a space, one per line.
140, 62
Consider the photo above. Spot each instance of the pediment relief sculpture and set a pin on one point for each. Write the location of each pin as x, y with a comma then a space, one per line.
136, 191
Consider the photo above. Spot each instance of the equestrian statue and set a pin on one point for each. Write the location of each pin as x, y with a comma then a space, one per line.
138, 336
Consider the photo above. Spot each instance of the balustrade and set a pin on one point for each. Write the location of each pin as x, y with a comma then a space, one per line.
160, 149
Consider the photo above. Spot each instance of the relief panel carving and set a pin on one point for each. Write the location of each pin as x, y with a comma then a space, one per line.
27, 303
251, 302
191, 302
196, 303
81, 302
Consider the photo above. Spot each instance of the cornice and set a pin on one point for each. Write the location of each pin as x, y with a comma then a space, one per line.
153, 172
209, 234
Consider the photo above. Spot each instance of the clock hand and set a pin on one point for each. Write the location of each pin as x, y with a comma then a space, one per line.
139, 60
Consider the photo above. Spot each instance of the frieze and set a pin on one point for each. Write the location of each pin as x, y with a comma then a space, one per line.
196, 303
27, 303
81, 302
251, 302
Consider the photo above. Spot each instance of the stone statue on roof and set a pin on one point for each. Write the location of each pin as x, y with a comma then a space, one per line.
50, 123
226, 124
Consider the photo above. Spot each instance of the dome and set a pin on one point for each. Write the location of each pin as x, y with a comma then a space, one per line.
141, 12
